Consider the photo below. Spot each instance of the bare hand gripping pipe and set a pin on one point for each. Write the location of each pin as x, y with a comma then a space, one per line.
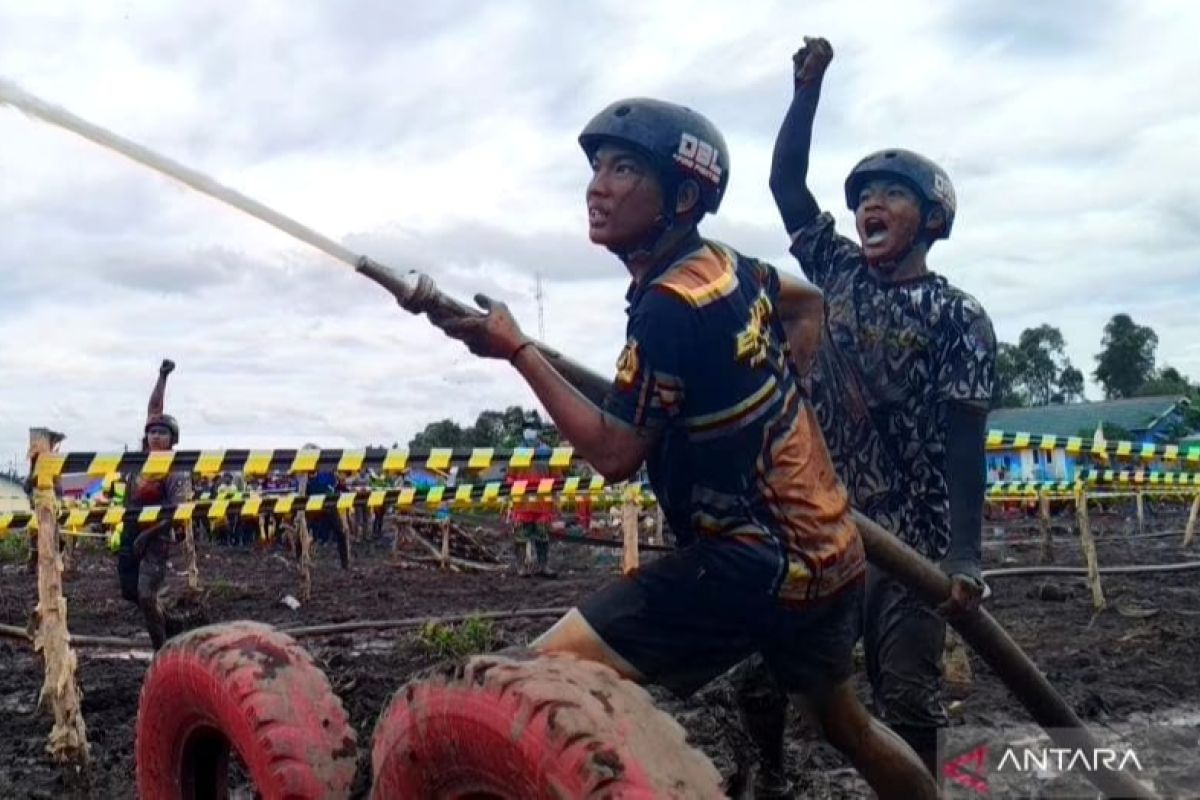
418, 294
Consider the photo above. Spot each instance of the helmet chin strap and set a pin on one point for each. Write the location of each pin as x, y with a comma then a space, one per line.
648, 245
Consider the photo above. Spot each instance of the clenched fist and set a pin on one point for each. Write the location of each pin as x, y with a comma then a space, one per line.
811, 60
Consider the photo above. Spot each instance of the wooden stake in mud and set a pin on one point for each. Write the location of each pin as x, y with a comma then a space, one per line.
658, 525
189, 552
189, 557
445, 544
347, 539
68, 738
305, 538
1141, 513
1089, 547
68, 553
1190, 533
1044, 522
629, 526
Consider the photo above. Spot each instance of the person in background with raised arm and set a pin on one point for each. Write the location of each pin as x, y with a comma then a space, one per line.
901, 388
145, 547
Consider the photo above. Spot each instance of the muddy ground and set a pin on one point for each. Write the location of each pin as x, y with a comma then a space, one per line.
1138, 660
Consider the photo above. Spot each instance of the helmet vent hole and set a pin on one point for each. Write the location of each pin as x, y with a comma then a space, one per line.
622, 111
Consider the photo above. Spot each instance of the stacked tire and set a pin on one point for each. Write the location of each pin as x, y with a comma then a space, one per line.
243, 687
532, 727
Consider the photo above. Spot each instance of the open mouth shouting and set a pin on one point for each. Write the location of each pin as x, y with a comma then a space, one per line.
875, 231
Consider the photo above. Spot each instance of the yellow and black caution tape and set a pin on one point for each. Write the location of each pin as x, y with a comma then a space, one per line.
1080, 445
298, 462
492, 494
1139, 476
1030, 487
1093, 477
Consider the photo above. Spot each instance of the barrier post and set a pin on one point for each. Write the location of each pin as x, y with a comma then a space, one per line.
445, 543
1190, 533
1141, 512
629, 526
189, 556
1089, 547
68, 554
305, 539
68, 737
1047, 555
191, 569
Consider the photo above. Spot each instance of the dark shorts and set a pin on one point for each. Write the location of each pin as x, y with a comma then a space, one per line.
688, 617
903, 639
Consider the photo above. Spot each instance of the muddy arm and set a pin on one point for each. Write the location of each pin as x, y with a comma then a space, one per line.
158, 395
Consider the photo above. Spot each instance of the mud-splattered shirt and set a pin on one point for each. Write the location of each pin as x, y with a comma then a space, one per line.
893, 357
739, 456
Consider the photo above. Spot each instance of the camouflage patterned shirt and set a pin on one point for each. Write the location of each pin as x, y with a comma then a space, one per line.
895, 354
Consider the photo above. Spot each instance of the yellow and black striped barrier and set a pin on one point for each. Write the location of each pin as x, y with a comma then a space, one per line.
297, 462
1095, 477
1139, 476
1030, 487
1080, 445
492, 494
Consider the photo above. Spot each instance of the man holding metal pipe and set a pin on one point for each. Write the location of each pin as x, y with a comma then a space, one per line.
901, 388
708, 394
142, 559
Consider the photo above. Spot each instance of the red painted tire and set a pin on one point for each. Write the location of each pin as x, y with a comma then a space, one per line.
526, 727
250, 687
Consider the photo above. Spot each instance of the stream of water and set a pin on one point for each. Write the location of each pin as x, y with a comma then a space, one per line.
15, 96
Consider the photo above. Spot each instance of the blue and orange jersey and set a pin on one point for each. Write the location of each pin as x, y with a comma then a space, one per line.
739, 454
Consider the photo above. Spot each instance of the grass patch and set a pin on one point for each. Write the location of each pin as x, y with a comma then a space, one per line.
14, 548
474, 635
221, 588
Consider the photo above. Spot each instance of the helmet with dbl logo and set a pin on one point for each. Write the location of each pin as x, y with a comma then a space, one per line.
680, 142
927, 179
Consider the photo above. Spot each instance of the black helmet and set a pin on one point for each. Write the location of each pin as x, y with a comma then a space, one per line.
680, 142
166, 421
928, 180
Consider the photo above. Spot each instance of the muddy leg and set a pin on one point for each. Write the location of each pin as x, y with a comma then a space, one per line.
762, 706
884, 760
152, 572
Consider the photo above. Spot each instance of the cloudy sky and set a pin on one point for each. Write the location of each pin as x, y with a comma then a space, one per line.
441, 136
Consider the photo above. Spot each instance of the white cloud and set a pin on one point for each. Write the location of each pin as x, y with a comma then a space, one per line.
442, 136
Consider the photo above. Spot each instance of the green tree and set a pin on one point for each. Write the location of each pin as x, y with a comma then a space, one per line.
1125, 362
1070, 382
493, 428
1036, 370
1006, 393
443, 433
1169, 380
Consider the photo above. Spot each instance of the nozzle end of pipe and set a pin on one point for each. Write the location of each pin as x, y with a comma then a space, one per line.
402, 286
